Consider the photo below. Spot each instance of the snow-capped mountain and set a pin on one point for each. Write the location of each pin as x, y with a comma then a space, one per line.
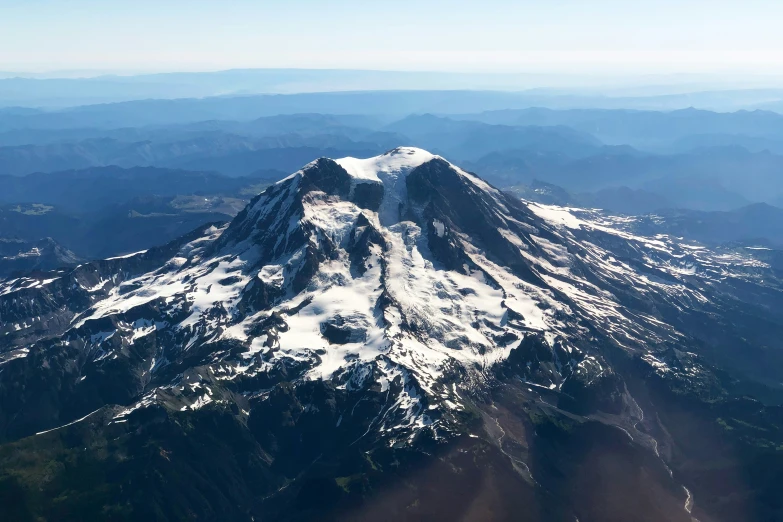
368, 328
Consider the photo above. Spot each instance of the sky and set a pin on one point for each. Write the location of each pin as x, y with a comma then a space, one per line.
548, 36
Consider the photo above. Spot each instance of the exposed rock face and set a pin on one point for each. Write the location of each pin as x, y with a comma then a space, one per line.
387, 338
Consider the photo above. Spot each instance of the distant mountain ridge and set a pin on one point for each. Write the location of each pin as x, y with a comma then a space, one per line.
472, 140
643, 129
17, 256
105, 211
721, 178
229, 154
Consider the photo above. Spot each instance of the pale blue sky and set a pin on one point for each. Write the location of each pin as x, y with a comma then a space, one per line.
630, 36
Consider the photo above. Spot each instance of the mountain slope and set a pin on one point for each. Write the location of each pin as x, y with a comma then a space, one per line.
18, 255
389, 337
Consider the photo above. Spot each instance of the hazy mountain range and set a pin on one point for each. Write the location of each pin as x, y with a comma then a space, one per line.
691, 159
546, 90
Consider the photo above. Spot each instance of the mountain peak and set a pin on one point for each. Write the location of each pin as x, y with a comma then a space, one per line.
391, 163
367, 307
